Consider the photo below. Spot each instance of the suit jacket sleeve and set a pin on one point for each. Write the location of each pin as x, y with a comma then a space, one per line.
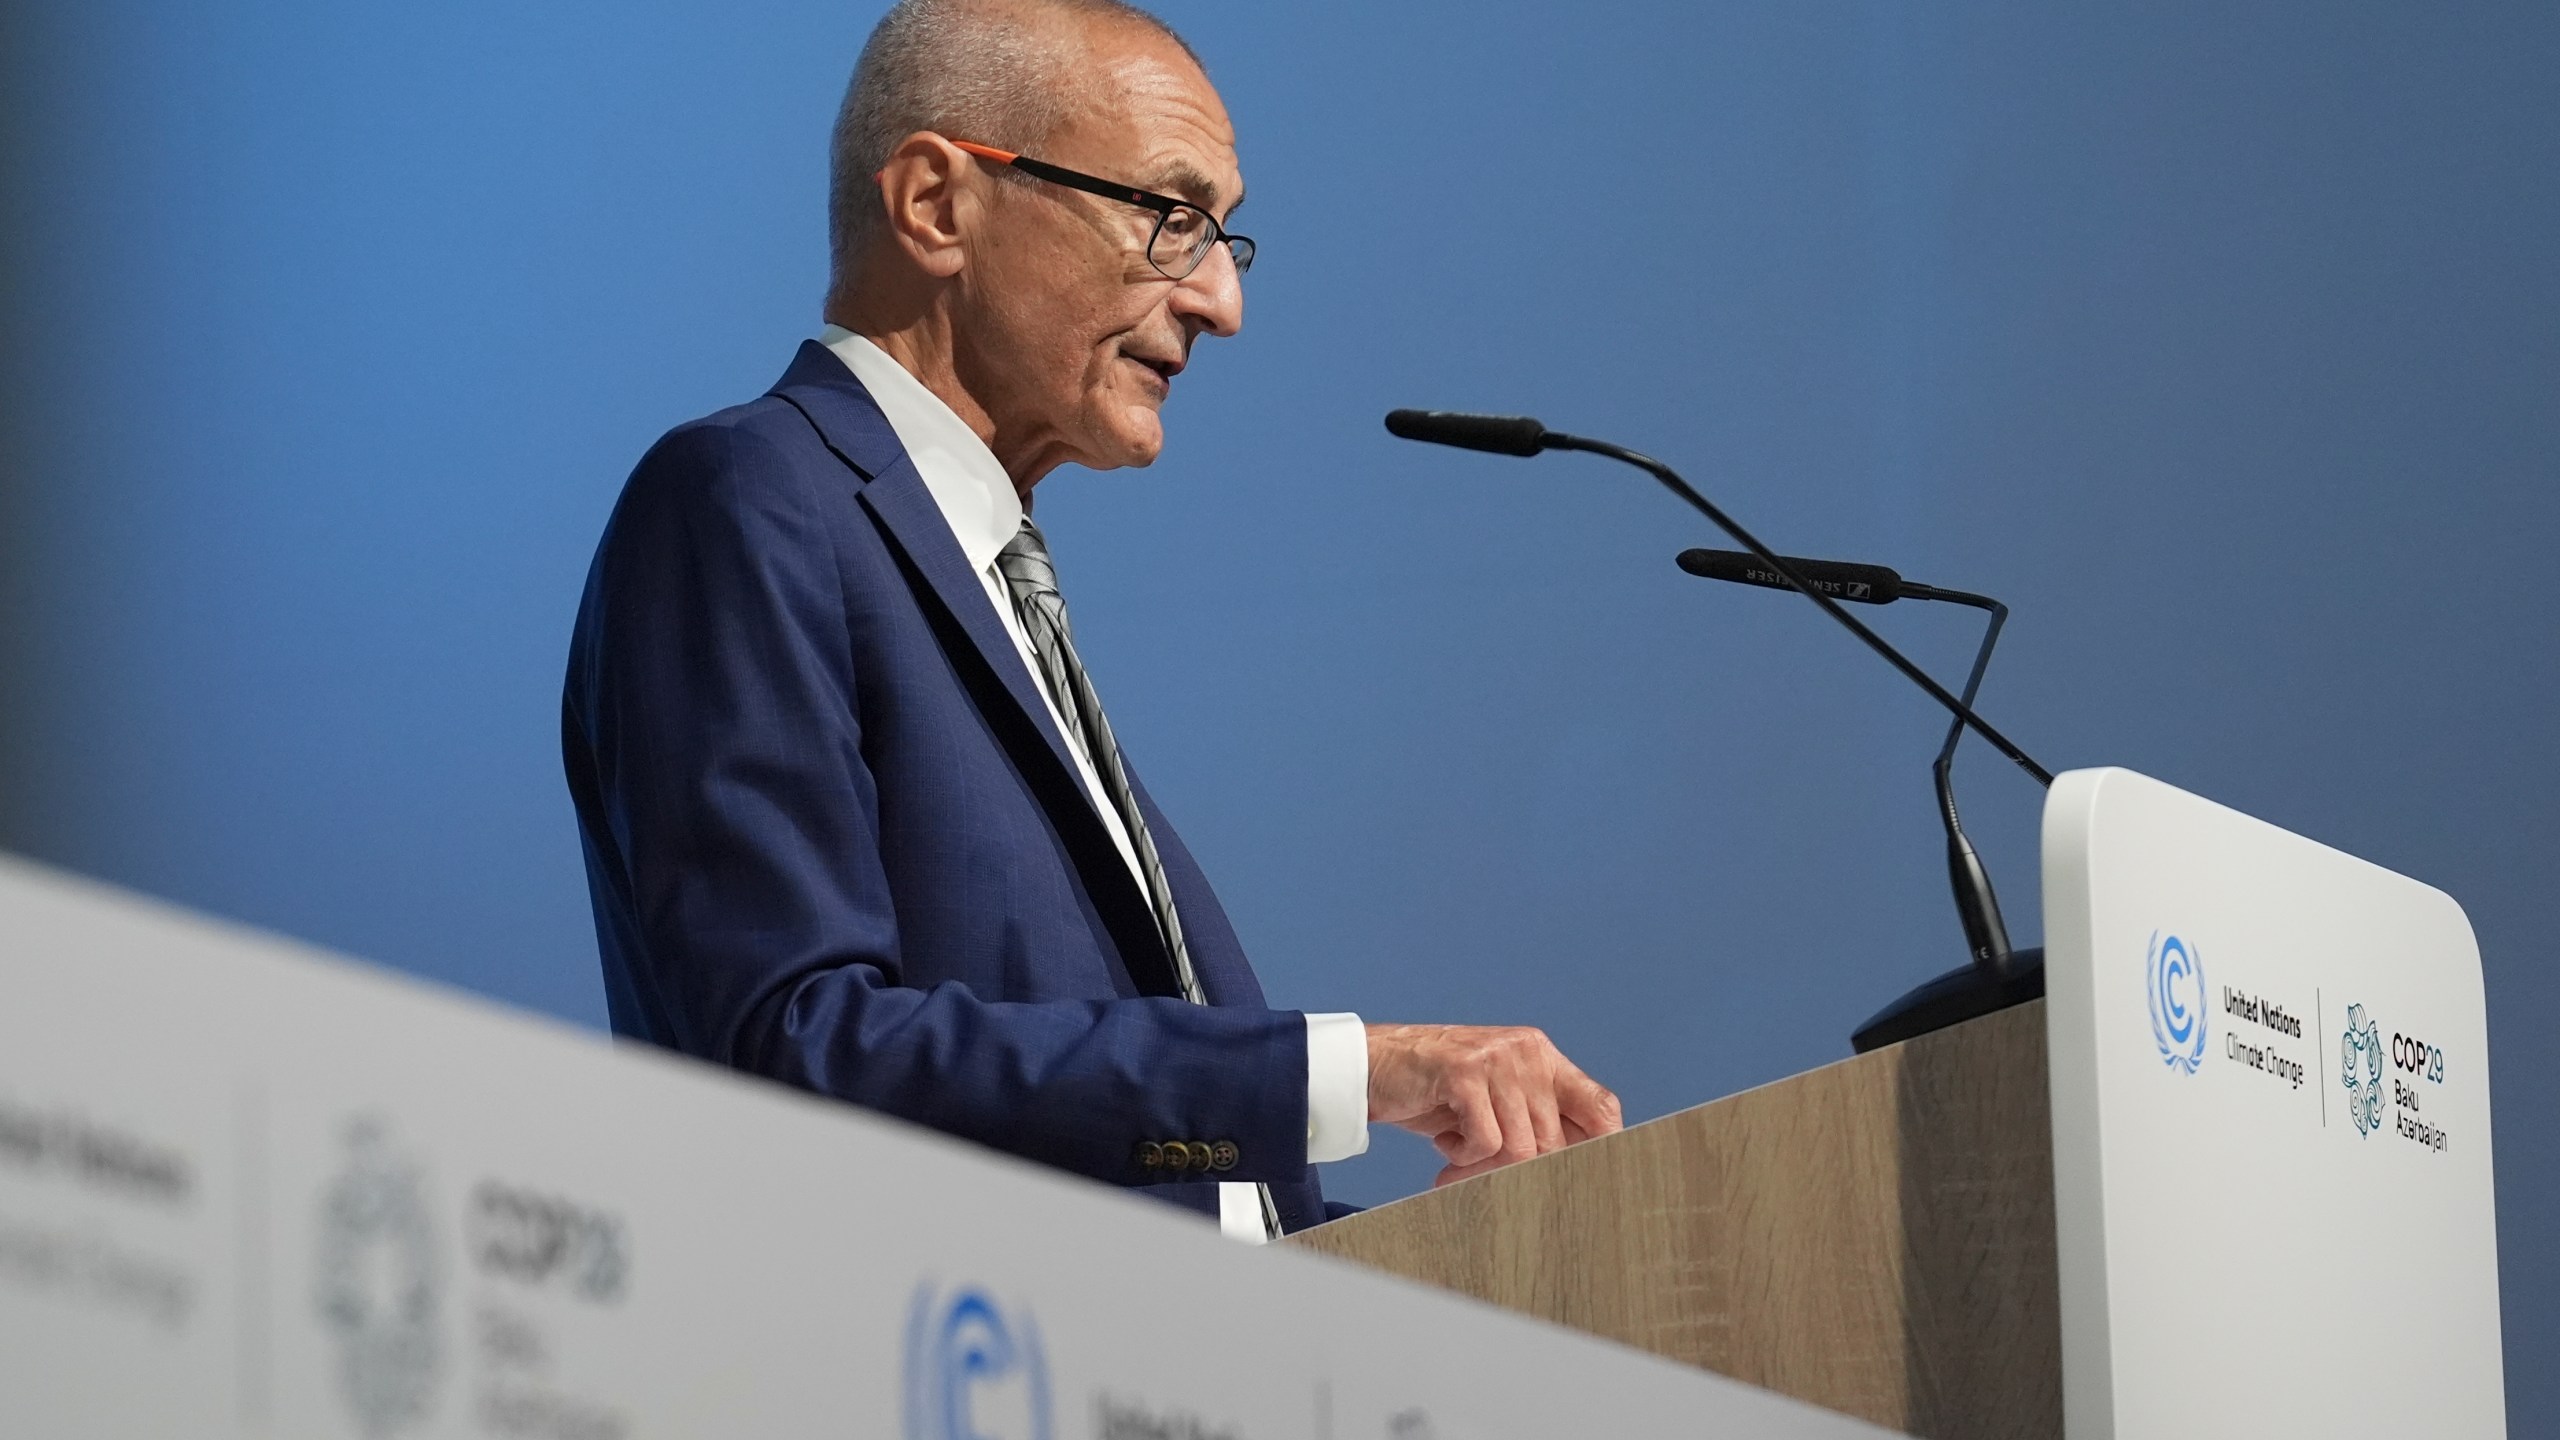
713, 692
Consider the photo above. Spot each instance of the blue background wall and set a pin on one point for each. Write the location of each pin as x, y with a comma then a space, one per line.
2224, 342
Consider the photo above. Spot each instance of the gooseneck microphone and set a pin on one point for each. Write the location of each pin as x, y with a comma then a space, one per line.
1997, 977
1501, 434
1866, 584
1520, 435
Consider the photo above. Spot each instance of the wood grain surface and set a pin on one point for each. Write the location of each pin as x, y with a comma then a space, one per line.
1875, 1236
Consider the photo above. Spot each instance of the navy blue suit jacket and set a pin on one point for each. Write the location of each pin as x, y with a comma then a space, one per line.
833, 837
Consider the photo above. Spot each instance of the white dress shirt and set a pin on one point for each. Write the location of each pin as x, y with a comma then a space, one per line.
979, 503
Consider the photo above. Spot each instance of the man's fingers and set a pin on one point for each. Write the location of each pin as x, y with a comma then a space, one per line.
1546, 1125
1452, 1174
1519, 1132
1437, 1121
1479, 1127
1589, 1104
1486, 1095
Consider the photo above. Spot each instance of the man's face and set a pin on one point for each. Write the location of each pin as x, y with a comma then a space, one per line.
1072, 338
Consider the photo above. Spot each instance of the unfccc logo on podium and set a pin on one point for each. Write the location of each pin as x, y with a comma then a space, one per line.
2175, 979
974, 1370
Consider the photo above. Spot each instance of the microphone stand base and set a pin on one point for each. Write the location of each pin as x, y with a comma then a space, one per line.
1961, 994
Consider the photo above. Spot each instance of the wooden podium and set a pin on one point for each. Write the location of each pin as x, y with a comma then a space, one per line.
2174, 1196
1875, 1237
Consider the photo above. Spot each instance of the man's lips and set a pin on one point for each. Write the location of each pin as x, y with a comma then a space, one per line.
1163, 370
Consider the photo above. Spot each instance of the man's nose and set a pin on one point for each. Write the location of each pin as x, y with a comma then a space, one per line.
1212, 295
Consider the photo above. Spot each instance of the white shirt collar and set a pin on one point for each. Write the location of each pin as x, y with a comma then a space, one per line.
976, 497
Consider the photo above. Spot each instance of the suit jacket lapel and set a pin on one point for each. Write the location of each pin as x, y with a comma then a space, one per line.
820, 387
898, 497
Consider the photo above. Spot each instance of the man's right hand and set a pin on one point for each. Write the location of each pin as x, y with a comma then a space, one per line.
1487, 1095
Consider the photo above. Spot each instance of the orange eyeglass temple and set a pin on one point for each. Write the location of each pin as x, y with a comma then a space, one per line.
987, 152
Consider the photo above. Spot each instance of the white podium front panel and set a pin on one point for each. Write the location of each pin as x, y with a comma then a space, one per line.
246, 1190
2271, 1131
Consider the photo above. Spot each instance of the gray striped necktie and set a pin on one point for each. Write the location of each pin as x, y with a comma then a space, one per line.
1033, 582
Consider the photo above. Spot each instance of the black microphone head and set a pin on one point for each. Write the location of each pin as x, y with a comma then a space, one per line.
1865, 584
1501, 434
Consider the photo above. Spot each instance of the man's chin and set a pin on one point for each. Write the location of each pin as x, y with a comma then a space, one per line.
1138, 439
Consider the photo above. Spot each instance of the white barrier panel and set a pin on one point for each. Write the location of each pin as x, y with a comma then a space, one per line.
248, 1190
2271, 1131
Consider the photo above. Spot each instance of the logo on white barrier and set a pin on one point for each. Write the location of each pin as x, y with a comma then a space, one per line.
378, 1284
2175, 977
2360, 1070
973, 1371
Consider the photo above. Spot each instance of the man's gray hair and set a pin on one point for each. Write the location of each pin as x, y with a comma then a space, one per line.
993, 71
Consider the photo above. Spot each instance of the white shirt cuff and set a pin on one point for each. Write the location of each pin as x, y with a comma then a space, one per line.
1337, 1087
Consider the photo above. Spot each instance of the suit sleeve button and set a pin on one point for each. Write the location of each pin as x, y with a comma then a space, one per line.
1176, 1159
1200, 1155
1150, 1155
1223, 1155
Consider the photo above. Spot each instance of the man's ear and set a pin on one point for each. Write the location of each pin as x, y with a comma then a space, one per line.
924, 191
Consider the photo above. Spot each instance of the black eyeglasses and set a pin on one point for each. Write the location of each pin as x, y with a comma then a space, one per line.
1183, 234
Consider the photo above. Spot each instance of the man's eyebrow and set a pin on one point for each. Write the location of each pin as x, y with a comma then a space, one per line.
1185, 181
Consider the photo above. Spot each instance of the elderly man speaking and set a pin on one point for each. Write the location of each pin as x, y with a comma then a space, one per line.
853, 813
